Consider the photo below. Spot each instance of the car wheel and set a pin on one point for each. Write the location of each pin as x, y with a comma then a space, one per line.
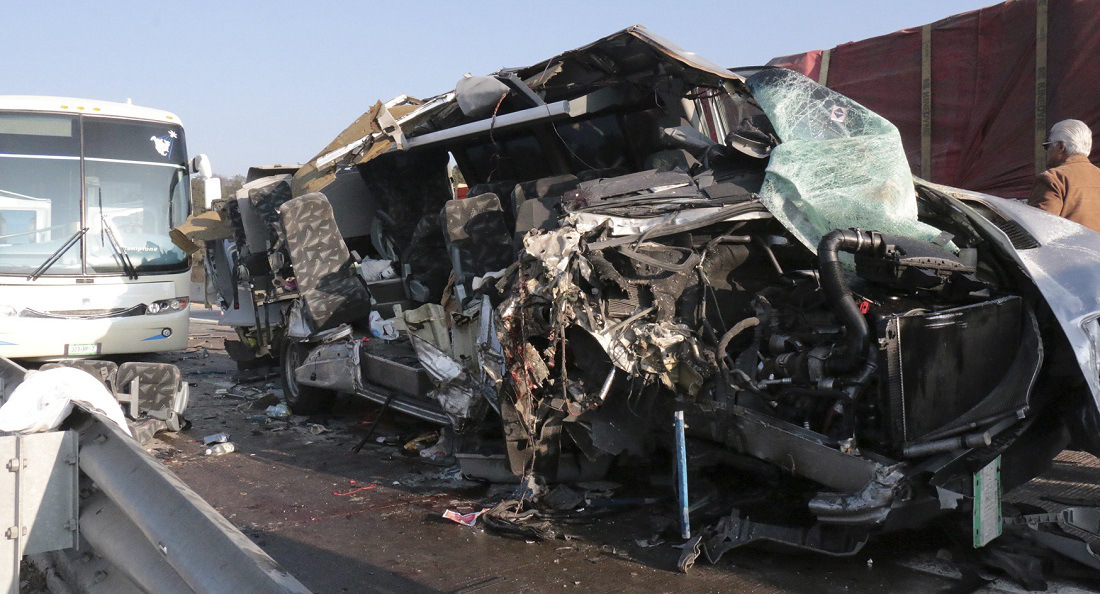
302, 400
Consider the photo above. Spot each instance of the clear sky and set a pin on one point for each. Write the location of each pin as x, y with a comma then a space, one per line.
262, 82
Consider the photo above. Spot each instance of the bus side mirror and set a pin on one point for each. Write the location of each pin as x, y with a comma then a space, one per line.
201, 165
211, 190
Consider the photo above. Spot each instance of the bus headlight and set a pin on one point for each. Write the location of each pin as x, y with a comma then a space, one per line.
167, 306
7, 311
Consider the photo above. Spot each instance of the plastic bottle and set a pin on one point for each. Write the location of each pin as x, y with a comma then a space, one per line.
220, 449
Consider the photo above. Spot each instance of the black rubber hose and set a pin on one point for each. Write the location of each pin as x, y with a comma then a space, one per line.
857, 334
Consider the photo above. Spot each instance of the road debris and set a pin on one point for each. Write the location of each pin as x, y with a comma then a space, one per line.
278, 411
215, 438
465, 519
355, 490
220, 449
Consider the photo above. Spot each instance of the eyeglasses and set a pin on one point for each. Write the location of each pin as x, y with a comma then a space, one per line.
1046, 145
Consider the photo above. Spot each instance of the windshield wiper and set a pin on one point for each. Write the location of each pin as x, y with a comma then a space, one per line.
123, 257
106, 229
54, 257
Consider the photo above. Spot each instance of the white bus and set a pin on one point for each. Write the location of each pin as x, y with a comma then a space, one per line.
88, 193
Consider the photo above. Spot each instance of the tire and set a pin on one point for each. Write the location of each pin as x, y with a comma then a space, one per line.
302, 400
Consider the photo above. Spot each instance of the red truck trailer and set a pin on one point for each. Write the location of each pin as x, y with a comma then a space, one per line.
974, 94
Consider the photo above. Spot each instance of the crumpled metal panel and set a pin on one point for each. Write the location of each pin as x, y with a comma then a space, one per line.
383, 127
1063, 268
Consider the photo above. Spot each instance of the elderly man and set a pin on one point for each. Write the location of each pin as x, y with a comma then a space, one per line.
1070, 187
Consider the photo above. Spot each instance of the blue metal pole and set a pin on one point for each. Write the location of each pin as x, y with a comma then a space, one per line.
682, 473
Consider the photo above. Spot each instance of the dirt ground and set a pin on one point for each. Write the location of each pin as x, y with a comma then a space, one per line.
371, 521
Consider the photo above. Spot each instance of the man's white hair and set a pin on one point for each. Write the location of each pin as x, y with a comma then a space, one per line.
1074, 134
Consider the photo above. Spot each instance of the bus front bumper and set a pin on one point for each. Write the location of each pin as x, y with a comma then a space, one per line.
55, 338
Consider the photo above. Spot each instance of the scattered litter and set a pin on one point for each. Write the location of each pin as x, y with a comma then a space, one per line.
243, 392
510, 517
529, 488
453, 473
279, 411
380, 328
652, 541
355, 490
220, 449
220, 391
465, 519
420, 442
258, 419
215, 438
317, 428
690, 553
437, 454
267, 399
563, 498
870, 563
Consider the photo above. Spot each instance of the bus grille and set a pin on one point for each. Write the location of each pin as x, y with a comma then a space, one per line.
86, 314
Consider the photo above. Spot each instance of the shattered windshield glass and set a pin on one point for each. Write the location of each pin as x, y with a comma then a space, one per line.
839, 165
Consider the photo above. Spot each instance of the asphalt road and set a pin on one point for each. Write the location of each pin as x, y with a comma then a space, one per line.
347, 522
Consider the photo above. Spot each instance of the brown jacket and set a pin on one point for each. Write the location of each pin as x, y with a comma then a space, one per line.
1070, 190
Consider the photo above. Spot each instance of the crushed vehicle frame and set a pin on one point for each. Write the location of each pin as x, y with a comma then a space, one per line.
646, 233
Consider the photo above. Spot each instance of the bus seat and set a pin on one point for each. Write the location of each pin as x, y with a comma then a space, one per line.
503, 189
104, 371
543, 187
332, 293
154, 390
537, 203
478, 240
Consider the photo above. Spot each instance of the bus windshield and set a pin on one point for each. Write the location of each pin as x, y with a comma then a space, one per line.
125, 181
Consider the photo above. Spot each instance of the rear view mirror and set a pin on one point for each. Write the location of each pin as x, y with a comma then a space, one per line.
211, 190
201, 165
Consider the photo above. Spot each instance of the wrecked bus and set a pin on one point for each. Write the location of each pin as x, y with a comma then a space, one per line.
88, 193
647, 233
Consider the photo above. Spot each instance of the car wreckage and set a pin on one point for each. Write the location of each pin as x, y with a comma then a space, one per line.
647, 233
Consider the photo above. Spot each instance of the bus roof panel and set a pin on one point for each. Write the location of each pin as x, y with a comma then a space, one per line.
86, 106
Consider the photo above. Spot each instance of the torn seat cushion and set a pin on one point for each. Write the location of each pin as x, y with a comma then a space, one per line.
332, 294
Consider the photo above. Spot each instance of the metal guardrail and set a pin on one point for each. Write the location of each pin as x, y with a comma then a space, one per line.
142, 529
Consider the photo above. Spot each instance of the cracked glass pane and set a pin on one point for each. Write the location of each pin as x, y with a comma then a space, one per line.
840, 165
